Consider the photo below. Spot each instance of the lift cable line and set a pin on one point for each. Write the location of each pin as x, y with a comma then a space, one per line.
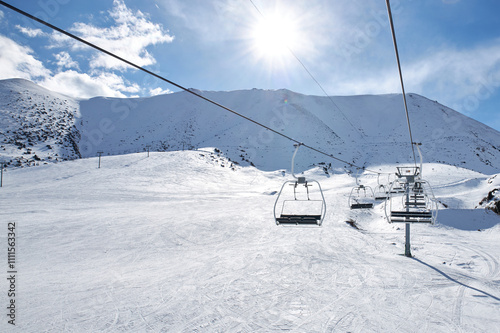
312, 77
177, 85
400, 77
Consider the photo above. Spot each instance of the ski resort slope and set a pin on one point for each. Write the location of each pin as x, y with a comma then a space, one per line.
39, 126
181, 242
363, 130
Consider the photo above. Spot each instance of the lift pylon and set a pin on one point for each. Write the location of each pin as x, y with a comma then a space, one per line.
416, 205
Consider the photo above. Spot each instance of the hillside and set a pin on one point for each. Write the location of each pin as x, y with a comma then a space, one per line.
177, 243
366, 130
36, 124
186, 241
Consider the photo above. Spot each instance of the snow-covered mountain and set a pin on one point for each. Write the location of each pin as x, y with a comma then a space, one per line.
186, 241
38, 125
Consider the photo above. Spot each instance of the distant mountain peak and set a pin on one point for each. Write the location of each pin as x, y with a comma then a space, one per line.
365, 130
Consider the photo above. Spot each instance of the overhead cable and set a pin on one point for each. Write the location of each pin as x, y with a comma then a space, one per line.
175, 84
401, 78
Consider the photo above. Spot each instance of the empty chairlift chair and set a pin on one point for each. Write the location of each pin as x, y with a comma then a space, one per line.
361, 196
417, 204
396, 188
381, 191
300, 201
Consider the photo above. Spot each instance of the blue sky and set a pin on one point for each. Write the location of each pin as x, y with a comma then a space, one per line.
449, 49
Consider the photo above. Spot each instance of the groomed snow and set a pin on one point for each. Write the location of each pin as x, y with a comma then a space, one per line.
177, 243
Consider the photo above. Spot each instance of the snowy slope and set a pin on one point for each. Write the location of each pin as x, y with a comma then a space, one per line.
373, 130
367, 130
182, 242
36, 124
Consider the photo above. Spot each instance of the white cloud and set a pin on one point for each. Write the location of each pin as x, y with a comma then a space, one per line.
17, 61
81, 85
159, 91
31, 32
449, 75
461, 79
64, 60
211, 20
129, 38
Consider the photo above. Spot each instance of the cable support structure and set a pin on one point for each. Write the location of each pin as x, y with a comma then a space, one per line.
179, 86
401, 78
313, 78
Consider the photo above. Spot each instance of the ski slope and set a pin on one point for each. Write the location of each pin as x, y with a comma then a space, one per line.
184, 242
39, 126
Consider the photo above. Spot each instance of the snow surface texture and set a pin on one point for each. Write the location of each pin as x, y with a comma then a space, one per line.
366, 130
182, 242
185, 241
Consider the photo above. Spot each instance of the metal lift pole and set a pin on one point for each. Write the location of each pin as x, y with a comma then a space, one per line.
407, 240
407, 226
99, 153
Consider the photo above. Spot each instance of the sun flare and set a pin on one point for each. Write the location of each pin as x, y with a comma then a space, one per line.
275, 36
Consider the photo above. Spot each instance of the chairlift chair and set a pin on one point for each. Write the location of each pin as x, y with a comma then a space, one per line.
396, 188
301, 200
361, 196
417, 204
381, 190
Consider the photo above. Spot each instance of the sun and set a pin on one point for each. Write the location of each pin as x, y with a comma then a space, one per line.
275, 36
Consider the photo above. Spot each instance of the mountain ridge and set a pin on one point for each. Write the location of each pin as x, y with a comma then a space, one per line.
365, 130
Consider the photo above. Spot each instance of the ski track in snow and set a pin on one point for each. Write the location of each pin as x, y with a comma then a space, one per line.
176, 243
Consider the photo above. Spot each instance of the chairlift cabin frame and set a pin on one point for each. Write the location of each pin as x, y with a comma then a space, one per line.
380, 192
297, 206
396, 187
417, 204
361, 196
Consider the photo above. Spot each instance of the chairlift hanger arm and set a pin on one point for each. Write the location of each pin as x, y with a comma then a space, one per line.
420, 155
400, 76
297, 146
